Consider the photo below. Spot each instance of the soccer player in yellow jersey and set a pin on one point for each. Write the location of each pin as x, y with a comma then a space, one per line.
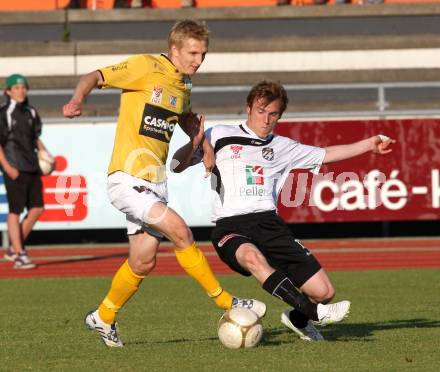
154, 99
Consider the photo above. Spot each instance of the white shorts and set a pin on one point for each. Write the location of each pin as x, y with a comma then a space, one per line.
134, 197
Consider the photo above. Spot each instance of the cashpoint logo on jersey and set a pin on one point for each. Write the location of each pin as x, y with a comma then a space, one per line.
158, 123
254, 175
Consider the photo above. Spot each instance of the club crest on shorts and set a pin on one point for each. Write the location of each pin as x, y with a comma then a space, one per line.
268, 153
223, 240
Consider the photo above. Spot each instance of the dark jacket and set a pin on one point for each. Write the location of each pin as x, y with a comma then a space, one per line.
20, 127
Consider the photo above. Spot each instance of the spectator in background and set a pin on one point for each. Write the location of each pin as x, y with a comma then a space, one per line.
20, 129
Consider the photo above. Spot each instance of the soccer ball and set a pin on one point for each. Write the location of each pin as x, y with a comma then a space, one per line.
46, 162
239, 327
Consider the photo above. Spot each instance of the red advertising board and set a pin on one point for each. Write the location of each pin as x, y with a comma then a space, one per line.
402, 185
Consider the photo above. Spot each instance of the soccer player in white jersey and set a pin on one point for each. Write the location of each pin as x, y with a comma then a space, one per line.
251, 167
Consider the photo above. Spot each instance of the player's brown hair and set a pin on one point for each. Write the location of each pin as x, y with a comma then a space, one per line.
187, 29
269, 91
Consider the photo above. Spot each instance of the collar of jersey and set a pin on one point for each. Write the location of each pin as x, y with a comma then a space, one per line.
169, 64
252, 133
13, 102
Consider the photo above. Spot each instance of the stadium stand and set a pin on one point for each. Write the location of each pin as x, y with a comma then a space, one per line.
57, 46
234, 3
26, 5
48, 43
97, 4
13, 5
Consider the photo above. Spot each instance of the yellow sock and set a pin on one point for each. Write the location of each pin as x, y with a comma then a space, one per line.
224, 300
194, 262
125, 283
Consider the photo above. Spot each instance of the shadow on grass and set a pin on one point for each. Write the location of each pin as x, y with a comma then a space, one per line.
176, 341
337, 332
350, 332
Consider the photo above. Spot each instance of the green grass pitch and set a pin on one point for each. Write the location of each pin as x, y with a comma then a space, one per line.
170, 325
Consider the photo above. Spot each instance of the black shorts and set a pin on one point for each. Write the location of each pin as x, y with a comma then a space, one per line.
24, 192
272, 237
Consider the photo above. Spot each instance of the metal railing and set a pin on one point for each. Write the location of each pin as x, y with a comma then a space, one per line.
381, 91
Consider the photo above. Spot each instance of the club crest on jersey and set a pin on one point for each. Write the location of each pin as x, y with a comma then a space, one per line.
236, 151
173, 101
268, 153
158, 123
254, 175
188, 83
156, 95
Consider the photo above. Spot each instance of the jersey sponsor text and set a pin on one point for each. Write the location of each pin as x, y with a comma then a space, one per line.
158, 123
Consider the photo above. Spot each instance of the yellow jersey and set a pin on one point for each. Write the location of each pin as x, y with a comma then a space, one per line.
153, 96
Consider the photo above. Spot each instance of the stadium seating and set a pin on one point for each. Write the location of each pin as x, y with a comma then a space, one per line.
213, 3
23, 5
410, 1
97, 4
14, 5
233, 3
166, 3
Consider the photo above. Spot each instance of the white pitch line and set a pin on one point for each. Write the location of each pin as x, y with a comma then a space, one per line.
214, 254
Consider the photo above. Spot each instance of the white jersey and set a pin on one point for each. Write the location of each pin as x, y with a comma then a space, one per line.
250, 171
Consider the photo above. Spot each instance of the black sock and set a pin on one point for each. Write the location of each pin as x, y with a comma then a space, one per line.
298, 319
279, 285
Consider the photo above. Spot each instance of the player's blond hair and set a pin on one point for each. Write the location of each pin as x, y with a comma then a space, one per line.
187, 29
269, 91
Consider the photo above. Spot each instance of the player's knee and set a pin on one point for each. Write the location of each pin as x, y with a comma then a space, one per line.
324, 293
143, 266
330, 293
37, 212
181, 236
250, 258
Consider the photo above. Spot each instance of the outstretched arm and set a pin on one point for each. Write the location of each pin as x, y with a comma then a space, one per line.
85, 85
378, 144
184, 157
194, 128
